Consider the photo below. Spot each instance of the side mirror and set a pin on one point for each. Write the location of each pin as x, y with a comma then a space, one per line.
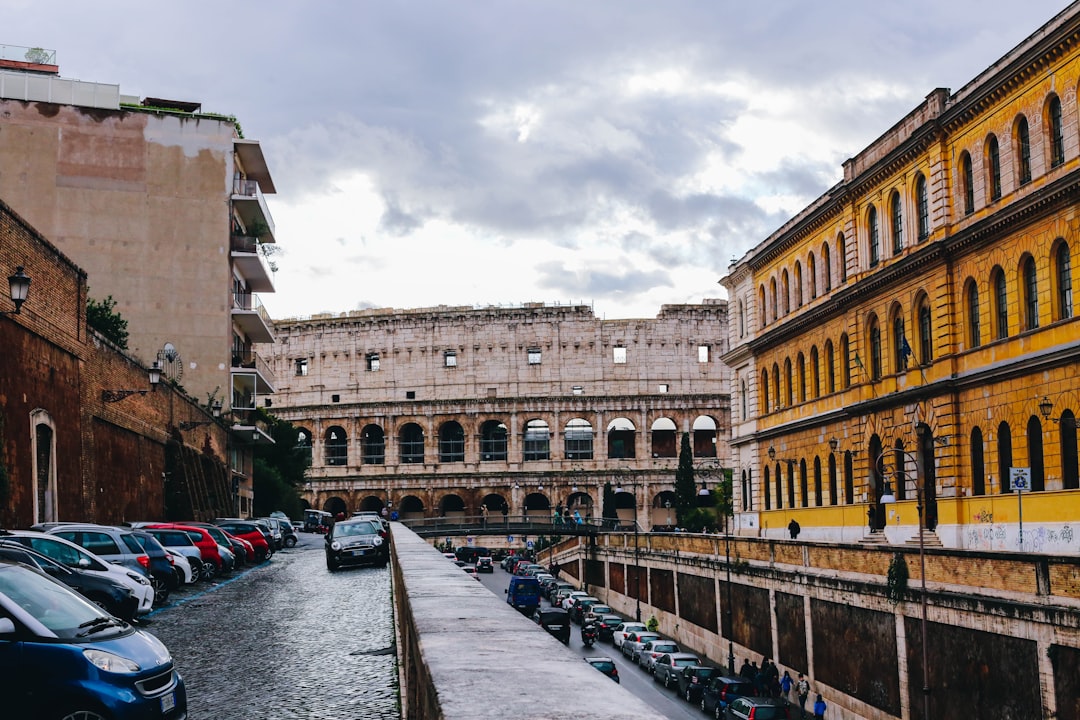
7, 627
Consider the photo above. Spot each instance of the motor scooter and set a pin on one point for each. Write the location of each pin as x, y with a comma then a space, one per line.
588, 634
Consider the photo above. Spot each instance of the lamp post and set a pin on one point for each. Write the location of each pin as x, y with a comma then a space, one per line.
886, 499
19, 286
637, 552
154, 376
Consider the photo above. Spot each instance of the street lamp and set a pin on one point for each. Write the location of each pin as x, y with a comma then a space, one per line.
637, 552
19, 286
190, 424
886, 499
154, 376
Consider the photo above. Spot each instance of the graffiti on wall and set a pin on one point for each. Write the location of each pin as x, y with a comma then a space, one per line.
1036, 538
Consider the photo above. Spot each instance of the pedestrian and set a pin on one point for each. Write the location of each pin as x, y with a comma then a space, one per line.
746, 671
786, 683
577, 517
802, 689
483, 516
506, 514
558, 514
794, 528
819, 708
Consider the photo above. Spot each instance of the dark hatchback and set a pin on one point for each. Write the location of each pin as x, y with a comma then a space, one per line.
607, 626
356, 542
692, 681
556, 621
109, 595
721, 690
163, 575
605, 665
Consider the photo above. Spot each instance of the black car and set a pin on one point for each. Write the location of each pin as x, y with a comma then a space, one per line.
109, 595
721, 690
692, 681
758, 708
605, 665
556, 621
485, 565
163, 575
356, 542
607, 626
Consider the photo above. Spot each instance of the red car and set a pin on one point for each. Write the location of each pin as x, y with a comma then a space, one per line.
246, 530
208, 546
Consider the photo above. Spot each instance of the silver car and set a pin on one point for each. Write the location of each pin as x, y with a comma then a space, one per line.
113, 544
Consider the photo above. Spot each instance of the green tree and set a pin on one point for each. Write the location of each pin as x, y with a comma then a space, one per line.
102, 316
280, 469
685, 486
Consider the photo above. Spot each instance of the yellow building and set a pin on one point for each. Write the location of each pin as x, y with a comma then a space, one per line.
912, 333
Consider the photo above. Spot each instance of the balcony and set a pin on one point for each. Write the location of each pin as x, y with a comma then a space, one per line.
251, 318
251, 263
250, 206
249, 362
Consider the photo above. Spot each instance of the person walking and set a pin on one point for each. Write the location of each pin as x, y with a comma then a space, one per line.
506, 515
802, 689
786, 683
819, 708
483, 516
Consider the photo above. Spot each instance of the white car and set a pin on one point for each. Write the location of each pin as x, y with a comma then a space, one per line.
68, 553
569, 600
619, 636
181, 561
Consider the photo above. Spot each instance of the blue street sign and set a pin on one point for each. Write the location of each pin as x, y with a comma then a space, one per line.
509, 538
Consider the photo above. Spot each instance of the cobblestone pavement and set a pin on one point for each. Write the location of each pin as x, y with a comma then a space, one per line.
286, 640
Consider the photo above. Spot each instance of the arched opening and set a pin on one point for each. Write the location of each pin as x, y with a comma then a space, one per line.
578, 440
451, 442
372, 502
410, 507
373, 445
452, 506
663, 439
537, 441
493, 441
336, 446
662, 514
411, 442
537, 505
705, 430
335, 505
621, 435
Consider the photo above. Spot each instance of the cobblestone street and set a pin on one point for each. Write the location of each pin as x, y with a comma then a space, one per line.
286, 640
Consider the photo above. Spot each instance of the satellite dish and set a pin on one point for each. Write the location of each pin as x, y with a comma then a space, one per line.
172, 366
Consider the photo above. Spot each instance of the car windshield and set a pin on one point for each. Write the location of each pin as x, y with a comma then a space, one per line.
765, 712
60, 610
603, 665
686, 662
359, 528
65, 554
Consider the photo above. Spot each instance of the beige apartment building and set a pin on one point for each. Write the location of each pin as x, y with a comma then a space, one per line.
163, 205
444, 411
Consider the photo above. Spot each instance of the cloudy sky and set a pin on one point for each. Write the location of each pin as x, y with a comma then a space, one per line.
617, 153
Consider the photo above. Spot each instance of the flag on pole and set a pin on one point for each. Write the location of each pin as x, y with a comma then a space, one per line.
905, 350
858, 363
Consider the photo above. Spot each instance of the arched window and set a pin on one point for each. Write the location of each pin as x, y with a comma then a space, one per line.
785, 292
787, 383
336, 446
901, 347
1030, 283
896, 213
776, 384
926, 331
1001, 303
834, 498
1063, 278
900, 472
451, 442
993, 168
1035, 454
772, 297
841, 257
621, 439
537, 442
791, 484
845, 362
873, 235
303, 444
974, 327
826, 266
967, 183
830, 368
493, 441
578, 440
817, 481
742, 319
798, 284
978, 463
1004, 453
747, 499
1070, 472
664, 438
742, 398
373, 445
804, 489
1053, 129
874, 337
764, 392
815, 373
922, 205
411, 443
779, 488
849, 479
765, 488
800, 377
811, 270
43, 466
1022, 150
761, 307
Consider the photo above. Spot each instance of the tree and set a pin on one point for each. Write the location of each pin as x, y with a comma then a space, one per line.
279, 469
102, 316
608, 510
685, 486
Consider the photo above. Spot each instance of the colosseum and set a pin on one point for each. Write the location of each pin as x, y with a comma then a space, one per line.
441, 412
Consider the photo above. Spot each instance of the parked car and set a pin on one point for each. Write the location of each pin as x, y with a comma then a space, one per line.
605, 665
607, 625
182, 564
579, 605
290, 531
110, 595
631, 647
237, 548
653, 649
276, 532
111, 544
555, 620
212, 561
356, 542
595, 611
178, 541
250, 531
485, 565
470, 570
163, 573
692, 680
669, 665
620, 635
74, 556
61, 656
758, 708
721, 690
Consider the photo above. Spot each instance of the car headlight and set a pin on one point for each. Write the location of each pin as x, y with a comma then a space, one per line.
377, 542
335, 546
108, 662
138, 578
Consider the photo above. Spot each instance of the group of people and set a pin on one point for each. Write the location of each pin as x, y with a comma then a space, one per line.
566, 516
769, 682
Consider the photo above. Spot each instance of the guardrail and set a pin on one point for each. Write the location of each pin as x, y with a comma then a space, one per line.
513, 524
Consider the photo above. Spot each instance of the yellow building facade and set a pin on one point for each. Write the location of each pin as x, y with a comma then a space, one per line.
912, 334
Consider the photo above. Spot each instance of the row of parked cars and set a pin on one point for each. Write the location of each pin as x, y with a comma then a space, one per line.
718, 693
71, 594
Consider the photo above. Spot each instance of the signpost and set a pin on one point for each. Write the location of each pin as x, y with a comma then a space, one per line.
1020, 480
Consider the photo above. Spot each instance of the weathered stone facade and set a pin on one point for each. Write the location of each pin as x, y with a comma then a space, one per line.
440, 411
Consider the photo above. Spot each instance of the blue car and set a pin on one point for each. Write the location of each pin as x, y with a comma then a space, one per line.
62, 657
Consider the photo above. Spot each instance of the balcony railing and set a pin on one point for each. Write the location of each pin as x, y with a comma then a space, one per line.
249, 304
247, 188
245, 244
251, 359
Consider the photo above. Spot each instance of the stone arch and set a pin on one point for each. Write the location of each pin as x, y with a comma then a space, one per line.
494, 441
662, 513
452, 505
372, 445
494, 502
581, 502
664, 441
622, 435
704, 438
410, 507
336, 446
335, 505
371, 502
538, 505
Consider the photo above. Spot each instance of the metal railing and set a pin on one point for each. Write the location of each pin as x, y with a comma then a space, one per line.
251, 359
34, 56
512, 525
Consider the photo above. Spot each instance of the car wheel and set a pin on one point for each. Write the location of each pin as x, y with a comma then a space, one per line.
687, 697
719, 712
269, 554
703, 708
290, 542
209, 571
331, 565
161, 589
85, 714
667, 683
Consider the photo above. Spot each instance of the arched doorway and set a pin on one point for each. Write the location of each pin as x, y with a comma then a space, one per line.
452, 506
335, 505
410, 507
537, 505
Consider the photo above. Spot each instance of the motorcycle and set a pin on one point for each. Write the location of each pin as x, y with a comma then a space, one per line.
588, 634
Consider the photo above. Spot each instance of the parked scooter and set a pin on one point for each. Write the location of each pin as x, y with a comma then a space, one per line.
588, 634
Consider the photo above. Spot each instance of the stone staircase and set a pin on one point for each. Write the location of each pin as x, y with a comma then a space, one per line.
929, 539
874, 538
